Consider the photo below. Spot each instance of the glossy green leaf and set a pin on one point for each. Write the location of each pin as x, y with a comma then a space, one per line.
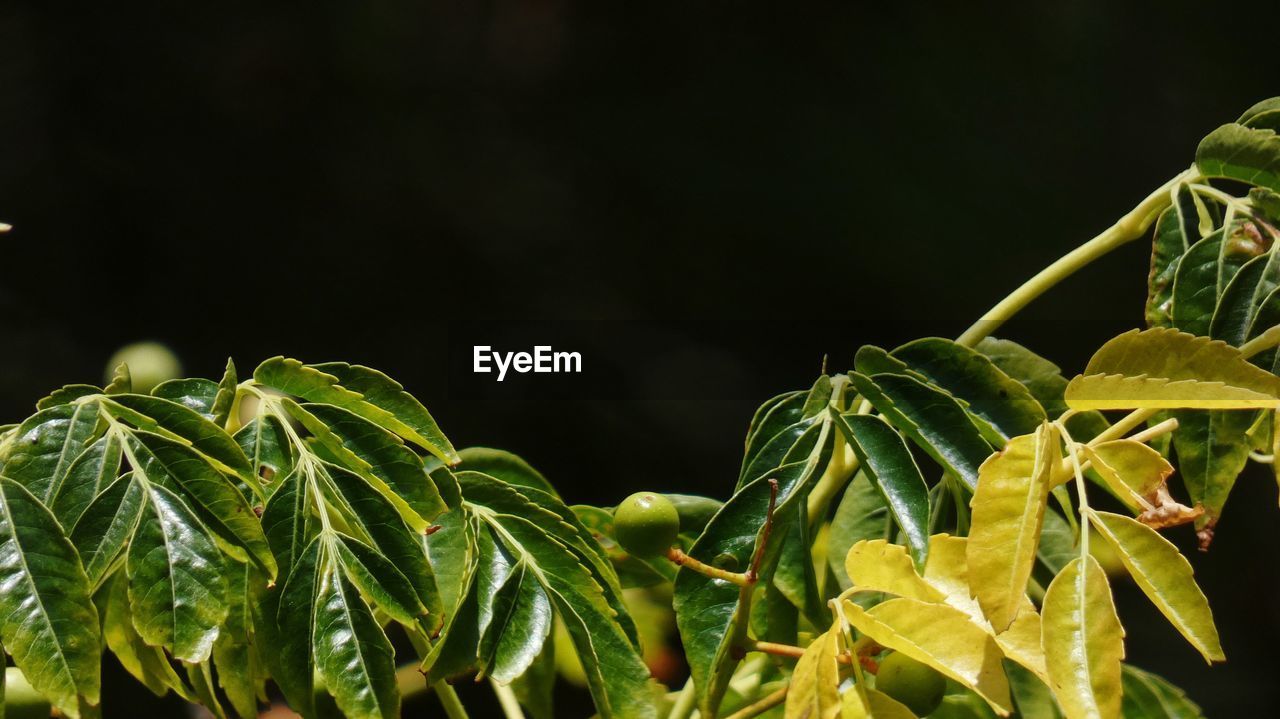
535, 689
1008, 513
47, 618
1240, 300
195, 393
286, 521
66, 395
1184, 223
1236, 152
1195, 285
215, 500
520, 624
361, 390
1083, 641
352, 654
1045, 382
929, 417
106, 525
892, 470
1165, 576
380, 580
46, 444
508, 467
175, 421
92, 471
1147, 696
974, 379
177, 586
292, 626
382, 457
265, 443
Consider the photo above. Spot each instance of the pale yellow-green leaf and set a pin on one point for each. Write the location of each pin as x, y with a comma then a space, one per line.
815, 683
877, 705
1008, 513
878, 565
1131, 469
1166, 577
1115, 391
942, 637
1169, 354
1083, 642
887, 568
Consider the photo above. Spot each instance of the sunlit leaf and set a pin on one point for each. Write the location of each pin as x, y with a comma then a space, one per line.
1236, 152
1083, 641
814, 692
892, 470
1008, 513
1165, 576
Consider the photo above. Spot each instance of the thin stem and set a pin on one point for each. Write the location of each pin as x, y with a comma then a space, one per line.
685, 701
678, 556
507, 700
753, 572
761, 706
1261, 343
788, 650
449, 700
1083, 497
1123, 426
843, 465
1130, 227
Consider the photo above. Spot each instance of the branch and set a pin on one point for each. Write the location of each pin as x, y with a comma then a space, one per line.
761, 706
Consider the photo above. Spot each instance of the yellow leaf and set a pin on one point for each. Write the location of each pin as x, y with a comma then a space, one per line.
880, 566
877, 705
1083, 642
815, 683
1131, 469
1008, 513
941, 636
1115, 391
1169, 354
1166, 577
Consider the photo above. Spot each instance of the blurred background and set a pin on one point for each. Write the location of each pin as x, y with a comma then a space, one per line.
703, 199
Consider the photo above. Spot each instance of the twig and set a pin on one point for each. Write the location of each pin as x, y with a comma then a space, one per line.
754, 571
679, 557
761, 706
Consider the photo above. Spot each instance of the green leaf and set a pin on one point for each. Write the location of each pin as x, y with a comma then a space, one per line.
1008, 513
520, 624
90, 472
504, 465
47, 618
235, 653
780, 415
940, 636
351, 652
67, 394
1045, 382
535, 688
225, 398
1212, 450
175, 421
195, 393
380, 456
1195, 285
121, 380
106, 526
361, 390
293, 627
929, 417
286, 521
1083, 641
708, 611
46, 444
1166, 578
974, 379
177, 586
148, 664
379, 580
1147, 696
265, 443
1240, 300
892, 470
215, 500
1180, 226
616, 675
1236, 152
861, 514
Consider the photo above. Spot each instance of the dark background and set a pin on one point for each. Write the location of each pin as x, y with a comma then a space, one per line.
703, 198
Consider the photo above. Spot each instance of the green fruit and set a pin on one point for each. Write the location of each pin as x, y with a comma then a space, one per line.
21, 701
646, 524
916, 685
150, 363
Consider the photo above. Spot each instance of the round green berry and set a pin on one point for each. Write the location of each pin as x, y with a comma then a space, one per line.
646, 524
916, 685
